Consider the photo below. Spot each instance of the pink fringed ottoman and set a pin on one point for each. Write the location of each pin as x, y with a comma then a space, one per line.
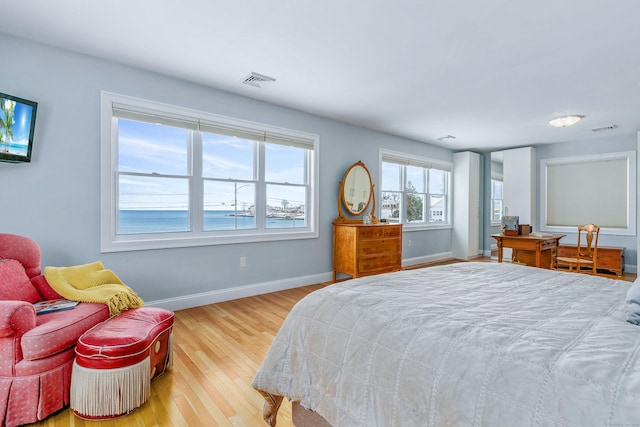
116, 361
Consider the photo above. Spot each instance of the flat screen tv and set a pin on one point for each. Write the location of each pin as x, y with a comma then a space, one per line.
17, 123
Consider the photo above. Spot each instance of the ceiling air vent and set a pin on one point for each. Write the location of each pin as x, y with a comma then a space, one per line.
257, 80
442, 138
612, 127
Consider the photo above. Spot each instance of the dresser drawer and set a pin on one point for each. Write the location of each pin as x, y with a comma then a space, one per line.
383, 262
370, 247
379, 232
392, 231
372, 232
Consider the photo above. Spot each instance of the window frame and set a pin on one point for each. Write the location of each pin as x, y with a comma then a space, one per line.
405, 159
629, 182
111, 241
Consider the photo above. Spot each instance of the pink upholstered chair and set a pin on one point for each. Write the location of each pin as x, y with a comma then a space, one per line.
36, 351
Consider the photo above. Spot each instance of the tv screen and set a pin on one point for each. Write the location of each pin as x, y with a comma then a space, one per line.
17, 122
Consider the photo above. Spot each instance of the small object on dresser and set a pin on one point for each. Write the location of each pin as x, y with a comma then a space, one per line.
367, 219
524, 229
50, 306
510, 225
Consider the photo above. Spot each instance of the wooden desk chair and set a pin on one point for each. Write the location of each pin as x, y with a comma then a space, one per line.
586, 256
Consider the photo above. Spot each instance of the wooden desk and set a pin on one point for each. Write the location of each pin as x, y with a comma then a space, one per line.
531, 250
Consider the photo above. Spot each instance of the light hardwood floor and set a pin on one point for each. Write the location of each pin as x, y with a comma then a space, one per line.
217, 351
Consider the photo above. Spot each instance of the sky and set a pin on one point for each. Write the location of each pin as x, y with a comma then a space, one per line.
228, 161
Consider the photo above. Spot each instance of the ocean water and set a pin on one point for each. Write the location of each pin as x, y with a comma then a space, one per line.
148, 221
14, 148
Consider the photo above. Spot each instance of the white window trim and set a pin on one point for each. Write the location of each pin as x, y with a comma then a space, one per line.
629, 156
110, 241
424, 162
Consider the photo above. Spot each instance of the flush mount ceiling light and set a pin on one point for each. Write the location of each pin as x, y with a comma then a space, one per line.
563, 122
258, 80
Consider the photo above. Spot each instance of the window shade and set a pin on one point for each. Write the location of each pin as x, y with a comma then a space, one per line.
153, 117
588, 192
162, 118
238, 132
288, 140
390, 158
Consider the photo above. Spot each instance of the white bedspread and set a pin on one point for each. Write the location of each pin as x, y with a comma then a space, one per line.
469, 344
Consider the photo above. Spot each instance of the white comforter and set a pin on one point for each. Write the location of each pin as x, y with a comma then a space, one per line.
469, 344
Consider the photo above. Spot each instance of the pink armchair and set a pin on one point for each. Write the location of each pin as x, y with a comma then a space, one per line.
36, 351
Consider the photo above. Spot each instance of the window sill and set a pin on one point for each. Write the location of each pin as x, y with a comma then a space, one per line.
149, 242
423, 227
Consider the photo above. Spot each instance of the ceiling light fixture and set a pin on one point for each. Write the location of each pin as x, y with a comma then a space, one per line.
563, 122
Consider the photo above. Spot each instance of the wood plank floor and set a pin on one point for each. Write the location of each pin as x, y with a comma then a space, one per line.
217, 351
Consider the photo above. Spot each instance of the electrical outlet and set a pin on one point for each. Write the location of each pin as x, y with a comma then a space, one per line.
243, 261
409, 243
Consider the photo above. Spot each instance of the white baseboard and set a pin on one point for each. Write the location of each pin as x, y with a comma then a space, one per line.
212, 297
488, 252
220, 295
428, 258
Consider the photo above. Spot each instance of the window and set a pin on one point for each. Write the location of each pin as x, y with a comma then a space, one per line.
414, 191
496, 200
598, 189
174, 177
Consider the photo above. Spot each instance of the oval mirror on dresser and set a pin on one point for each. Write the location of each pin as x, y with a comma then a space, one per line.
357, 189
356, 195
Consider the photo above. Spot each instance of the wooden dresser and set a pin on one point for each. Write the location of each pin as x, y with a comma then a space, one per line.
366, 249
609, 258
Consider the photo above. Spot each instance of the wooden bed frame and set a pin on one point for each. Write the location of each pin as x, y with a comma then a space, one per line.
302, 417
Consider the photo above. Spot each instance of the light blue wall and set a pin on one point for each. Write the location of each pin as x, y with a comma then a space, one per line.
55, 198
610, 144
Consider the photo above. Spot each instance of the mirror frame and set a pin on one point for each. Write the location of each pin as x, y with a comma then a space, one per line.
345, 214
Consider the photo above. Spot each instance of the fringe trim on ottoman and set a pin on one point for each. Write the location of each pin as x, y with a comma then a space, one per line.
109, 392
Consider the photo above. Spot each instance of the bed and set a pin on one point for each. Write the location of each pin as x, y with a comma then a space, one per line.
468, 344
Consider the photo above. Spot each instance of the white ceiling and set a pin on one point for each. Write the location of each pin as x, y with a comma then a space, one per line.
492, 73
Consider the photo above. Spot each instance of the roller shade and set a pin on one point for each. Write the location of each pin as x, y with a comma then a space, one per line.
289, 140
194, 124
588, 192
238, 132
423, 163
139, 115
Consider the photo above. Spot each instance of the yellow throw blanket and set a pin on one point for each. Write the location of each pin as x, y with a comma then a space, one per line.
92, 283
